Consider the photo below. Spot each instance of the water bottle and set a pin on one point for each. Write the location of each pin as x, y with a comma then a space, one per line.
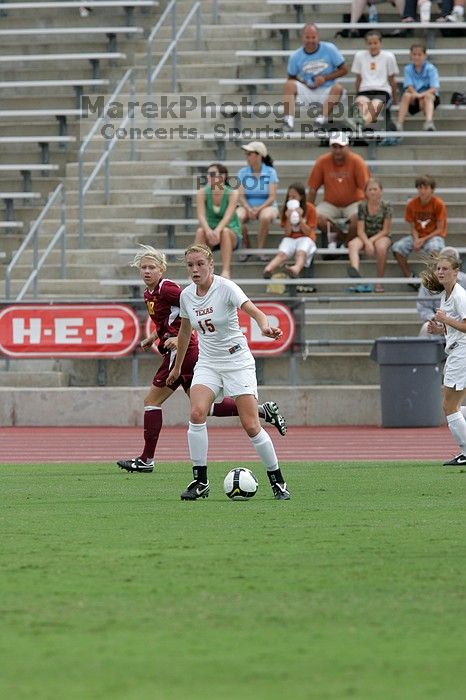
292, 205
373, 13
425, 11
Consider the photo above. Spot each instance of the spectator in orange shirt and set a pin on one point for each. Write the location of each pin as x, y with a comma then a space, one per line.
344, 176
299, 220
427, 215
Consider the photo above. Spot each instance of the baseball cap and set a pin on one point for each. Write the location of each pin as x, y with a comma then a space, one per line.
340, 138
449, 250
256, 147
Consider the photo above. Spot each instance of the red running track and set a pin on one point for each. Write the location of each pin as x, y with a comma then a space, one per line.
327, 443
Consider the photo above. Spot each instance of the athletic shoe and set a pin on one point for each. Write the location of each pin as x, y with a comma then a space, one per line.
137, 465
456, 461
285, 125
413, 285
455, 16
428, 125
194, 490
353, 271
284, 129
274, 417
280, 492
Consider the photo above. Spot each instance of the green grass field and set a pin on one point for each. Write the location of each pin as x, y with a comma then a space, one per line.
111, 587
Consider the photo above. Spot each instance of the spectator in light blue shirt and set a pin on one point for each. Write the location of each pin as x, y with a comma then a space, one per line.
257, 194
312, 73
421, 88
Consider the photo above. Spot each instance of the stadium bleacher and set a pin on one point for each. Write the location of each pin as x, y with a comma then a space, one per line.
157, 186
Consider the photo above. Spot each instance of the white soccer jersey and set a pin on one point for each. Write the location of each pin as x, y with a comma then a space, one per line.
215, 318
455, 307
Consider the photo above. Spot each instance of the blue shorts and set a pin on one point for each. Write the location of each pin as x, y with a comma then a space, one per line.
405, 245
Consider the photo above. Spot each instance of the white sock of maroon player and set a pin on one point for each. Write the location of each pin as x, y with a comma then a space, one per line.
152, 427
226, 408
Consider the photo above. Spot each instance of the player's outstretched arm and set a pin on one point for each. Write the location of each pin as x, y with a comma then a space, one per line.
262, 321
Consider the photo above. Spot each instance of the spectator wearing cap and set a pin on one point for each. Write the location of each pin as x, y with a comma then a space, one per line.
427, 216
257, 194
344, 176
313, 71
428, 303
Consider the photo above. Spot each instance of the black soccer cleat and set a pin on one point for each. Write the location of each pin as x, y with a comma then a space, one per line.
274, 417
459, 460
136, 465
194, 490
280, 492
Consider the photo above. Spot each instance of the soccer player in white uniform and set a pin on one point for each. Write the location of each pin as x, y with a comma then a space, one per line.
225, 367
450, 320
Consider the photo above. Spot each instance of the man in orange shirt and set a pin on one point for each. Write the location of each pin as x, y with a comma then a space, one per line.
427, 215
344, 176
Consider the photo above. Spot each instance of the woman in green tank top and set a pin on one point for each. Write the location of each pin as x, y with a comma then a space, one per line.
219, 226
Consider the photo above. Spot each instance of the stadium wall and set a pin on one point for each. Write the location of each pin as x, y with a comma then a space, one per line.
123, 406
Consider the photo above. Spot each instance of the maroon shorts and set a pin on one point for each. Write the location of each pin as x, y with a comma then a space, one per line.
187, 369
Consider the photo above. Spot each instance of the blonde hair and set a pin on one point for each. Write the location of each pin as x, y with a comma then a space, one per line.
147, 251
200, 248
429, 276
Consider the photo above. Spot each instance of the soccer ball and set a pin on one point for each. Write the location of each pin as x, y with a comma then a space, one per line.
240, 484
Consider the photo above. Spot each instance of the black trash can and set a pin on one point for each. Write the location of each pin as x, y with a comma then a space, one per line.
410, 381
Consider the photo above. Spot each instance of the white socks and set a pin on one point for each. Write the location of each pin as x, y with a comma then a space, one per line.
265, 449
198, 443
457, 426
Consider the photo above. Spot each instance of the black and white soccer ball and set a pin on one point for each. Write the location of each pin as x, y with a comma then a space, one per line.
240, 484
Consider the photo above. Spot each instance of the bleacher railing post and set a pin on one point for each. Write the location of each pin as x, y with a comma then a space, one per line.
214, 11
131, 116
107, 165
198, 28
63, 237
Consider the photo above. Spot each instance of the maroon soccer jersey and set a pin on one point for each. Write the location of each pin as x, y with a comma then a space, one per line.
163, 306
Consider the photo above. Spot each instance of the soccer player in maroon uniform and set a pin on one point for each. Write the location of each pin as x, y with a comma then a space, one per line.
162, 297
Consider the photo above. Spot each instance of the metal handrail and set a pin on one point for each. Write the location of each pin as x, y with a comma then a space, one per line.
33, 235
171, 50
109, 144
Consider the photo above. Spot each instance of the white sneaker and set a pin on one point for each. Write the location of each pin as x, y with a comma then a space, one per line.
332, 246
428, 126
455, 16
320, 120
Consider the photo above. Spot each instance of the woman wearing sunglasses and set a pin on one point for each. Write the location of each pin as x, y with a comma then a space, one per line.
219, 226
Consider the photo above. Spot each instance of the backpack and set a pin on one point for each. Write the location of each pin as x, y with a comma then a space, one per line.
458, 99
345, 33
